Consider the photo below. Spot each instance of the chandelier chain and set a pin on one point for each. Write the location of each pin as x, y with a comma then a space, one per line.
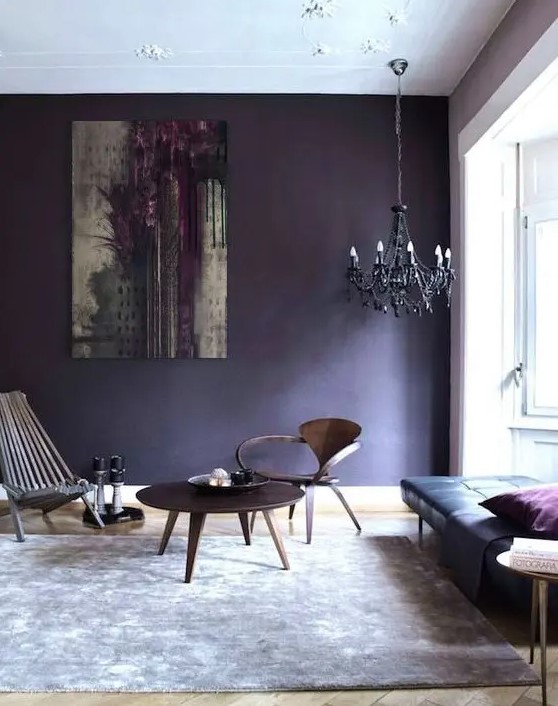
399, 147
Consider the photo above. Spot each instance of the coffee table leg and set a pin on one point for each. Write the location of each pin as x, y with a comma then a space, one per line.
245, 526
171, 521
197, 521
543, 606
534, 616
276, 534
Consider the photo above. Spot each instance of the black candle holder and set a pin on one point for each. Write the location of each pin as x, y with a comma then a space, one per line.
111, 513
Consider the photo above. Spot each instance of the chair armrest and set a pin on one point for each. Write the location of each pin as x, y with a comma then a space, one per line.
247, 443
335, 459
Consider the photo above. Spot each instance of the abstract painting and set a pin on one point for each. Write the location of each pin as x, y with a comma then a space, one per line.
149, 239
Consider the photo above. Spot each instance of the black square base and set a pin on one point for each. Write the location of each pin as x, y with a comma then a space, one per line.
128, 514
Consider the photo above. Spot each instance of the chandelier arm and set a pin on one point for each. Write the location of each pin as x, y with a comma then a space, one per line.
427, 280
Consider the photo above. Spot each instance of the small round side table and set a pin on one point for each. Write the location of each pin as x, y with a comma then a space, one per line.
539, 605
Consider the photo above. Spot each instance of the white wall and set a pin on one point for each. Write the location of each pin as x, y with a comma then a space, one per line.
483, 96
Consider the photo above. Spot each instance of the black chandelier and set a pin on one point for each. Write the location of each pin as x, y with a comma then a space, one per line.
398, 279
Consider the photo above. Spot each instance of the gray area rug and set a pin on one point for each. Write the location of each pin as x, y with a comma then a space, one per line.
105, 613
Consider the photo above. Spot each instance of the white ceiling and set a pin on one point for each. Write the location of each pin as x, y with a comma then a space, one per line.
237, 46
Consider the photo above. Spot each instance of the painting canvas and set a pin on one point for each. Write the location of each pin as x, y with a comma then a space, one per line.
149, 239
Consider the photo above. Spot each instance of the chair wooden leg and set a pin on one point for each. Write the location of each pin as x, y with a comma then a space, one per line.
309, 490
245, 526
93, 510
346, 506
16, 519
253, 521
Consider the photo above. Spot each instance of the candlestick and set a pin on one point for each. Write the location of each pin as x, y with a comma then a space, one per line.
117, 471
100, 472
115, 512
117, 463
99, 463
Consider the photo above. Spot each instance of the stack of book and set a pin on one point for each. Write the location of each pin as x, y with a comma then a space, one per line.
539, 555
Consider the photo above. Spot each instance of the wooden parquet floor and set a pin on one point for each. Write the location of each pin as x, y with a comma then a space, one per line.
514, 627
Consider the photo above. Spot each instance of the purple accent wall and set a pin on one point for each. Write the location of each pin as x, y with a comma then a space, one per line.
309, 176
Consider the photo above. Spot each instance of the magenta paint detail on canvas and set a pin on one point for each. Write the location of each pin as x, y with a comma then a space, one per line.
163, 150
189, 257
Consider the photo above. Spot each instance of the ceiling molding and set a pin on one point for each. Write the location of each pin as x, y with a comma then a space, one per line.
245, 46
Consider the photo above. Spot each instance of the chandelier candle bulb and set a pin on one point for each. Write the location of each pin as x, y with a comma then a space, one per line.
438, 253
354, 257
411, 251
448, 257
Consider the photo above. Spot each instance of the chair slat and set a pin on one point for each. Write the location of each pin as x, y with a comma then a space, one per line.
37, 434
15, 454
8, 471
28, 458
62, 469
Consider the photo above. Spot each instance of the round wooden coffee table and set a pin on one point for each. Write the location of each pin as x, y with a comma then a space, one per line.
183, 497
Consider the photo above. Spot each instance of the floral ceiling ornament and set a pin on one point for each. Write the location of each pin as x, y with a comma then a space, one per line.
313, 10
397, 17
321, 49
319, 9
376, 46
153, 52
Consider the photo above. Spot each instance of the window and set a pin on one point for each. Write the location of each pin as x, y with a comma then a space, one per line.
539, 332
541, 324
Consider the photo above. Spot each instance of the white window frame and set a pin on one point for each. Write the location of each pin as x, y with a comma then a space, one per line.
531, 217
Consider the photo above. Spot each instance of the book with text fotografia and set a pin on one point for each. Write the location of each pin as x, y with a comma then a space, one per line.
531, 554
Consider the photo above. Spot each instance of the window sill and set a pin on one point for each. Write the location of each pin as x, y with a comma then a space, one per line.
534, 424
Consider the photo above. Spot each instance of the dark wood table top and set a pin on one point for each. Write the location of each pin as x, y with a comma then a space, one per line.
184, 497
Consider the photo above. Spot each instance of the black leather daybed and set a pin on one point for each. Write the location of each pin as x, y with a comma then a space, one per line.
471, 536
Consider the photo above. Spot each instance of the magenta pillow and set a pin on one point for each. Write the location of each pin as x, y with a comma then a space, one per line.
535, 508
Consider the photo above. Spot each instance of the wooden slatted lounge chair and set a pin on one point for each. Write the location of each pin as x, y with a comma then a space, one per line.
34, 474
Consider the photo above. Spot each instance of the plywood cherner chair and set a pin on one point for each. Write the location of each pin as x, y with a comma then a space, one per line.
331, 440
34, 474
